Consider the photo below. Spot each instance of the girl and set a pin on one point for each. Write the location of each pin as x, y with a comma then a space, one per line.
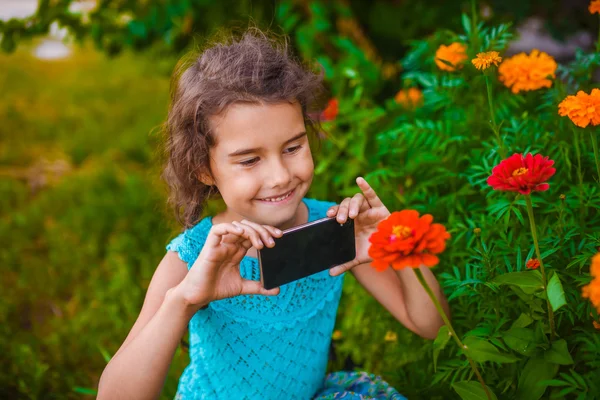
239, 127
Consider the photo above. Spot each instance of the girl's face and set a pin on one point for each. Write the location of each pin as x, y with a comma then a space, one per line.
262, 163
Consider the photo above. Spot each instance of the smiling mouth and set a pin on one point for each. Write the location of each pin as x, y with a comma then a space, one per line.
278, 198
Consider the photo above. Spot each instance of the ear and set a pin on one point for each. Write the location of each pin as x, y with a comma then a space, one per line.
206, 179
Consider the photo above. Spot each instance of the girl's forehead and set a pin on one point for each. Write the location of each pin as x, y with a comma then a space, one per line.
257, 125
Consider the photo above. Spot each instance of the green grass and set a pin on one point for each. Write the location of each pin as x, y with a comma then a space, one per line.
79, 247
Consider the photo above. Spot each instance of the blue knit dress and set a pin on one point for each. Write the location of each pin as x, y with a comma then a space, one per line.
268, 347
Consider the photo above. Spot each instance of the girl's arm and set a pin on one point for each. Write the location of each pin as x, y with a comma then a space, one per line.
139, 368
403, 296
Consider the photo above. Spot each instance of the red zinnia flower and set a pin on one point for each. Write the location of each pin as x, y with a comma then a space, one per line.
331, 111
522, 174
406, 240
533, 263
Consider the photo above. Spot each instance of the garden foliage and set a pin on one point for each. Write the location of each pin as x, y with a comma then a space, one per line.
80, 249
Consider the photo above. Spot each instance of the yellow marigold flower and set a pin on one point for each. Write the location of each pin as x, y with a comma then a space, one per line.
592, 291
409, 98
337, 335
485, 60
390, 336
454, 54
594, 7
583, 109
527, 72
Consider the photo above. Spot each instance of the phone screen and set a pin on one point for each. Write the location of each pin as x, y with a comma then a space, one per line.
306, 250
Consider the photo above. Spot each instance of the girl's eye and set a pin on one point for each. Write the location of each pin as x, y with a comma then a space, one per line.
249, 162
293, 149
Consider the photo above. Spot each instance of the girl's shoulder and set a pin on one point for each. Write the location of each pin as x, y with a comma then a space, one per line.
189, 243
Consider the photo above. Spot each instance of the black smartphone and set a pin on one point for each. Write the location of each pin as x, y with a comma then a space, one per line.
306, 250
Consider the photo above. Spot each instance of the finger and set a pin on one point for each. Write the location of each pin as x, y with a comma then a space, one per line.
275, 232
342, 214
332, 212
356, 204
340, 269
369, 193
250, 234
265, 235
255, 287
219, 231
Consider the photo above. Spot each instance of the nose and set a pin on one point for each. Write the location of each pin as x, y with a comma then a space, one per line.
278, 174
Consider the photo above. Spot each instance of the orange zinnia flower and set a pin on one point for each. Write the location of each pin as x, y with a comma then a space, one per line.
524, 72
331, 111
592, 291
454, 54
522, 174
406, 240
533, 263
594, 7
485, 60
582, 109
409, 98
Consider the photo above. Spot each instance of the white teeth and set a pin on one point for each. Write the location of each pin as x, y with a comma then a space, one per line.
274, 199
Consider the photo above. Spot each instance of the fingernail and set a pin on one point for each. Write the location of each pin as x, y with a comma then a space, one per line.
277, 231
271, 241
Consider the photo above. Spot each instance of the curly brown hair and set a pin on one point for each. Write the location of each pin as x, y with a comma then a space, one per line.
253, 67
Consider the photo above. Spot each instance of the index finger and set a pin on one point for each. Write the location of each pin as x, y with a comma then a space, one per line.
369, 193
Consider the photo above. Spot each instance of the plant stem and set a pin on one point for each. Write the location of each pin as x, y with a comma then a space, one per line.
542, 269
447, 322
598, 41
488, 85
596, 157
579, 177
474, 33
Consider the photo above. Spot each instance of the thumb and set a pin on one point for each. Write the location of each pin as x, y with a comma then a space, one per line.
255, 287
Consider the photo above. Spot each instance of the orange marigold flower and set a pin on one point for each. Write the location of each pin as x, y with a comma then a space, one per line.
331, 111
455, 54
522, 174
524, 72
485, 60
409, 98
533, 263
405, 239
594, 7
337, 335
583, 109
592, 291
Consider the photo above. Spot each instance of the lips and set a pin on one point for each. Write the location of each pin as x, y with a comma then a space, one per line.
275, 199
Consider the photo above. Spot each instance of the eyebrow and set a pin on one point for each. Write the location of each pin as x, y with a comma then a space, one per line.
256, 149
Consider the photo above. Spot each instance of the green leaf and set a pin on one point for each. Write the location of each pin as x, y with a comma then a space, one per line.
439, 343
470, 390
536, 370
521, 340
523, 321
528, 281
558, 353
482, 351
556, 294
82, 390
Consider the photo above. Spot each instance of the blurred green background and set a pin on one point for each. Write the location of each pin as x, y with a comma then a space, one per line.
83, 211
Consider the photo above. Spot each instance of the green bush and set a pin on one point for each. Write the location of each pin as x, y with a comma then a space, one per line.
81, 244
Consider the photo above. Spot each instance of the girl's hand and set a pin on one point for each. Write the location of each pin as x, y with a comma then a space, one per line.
367, 210
216, 273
